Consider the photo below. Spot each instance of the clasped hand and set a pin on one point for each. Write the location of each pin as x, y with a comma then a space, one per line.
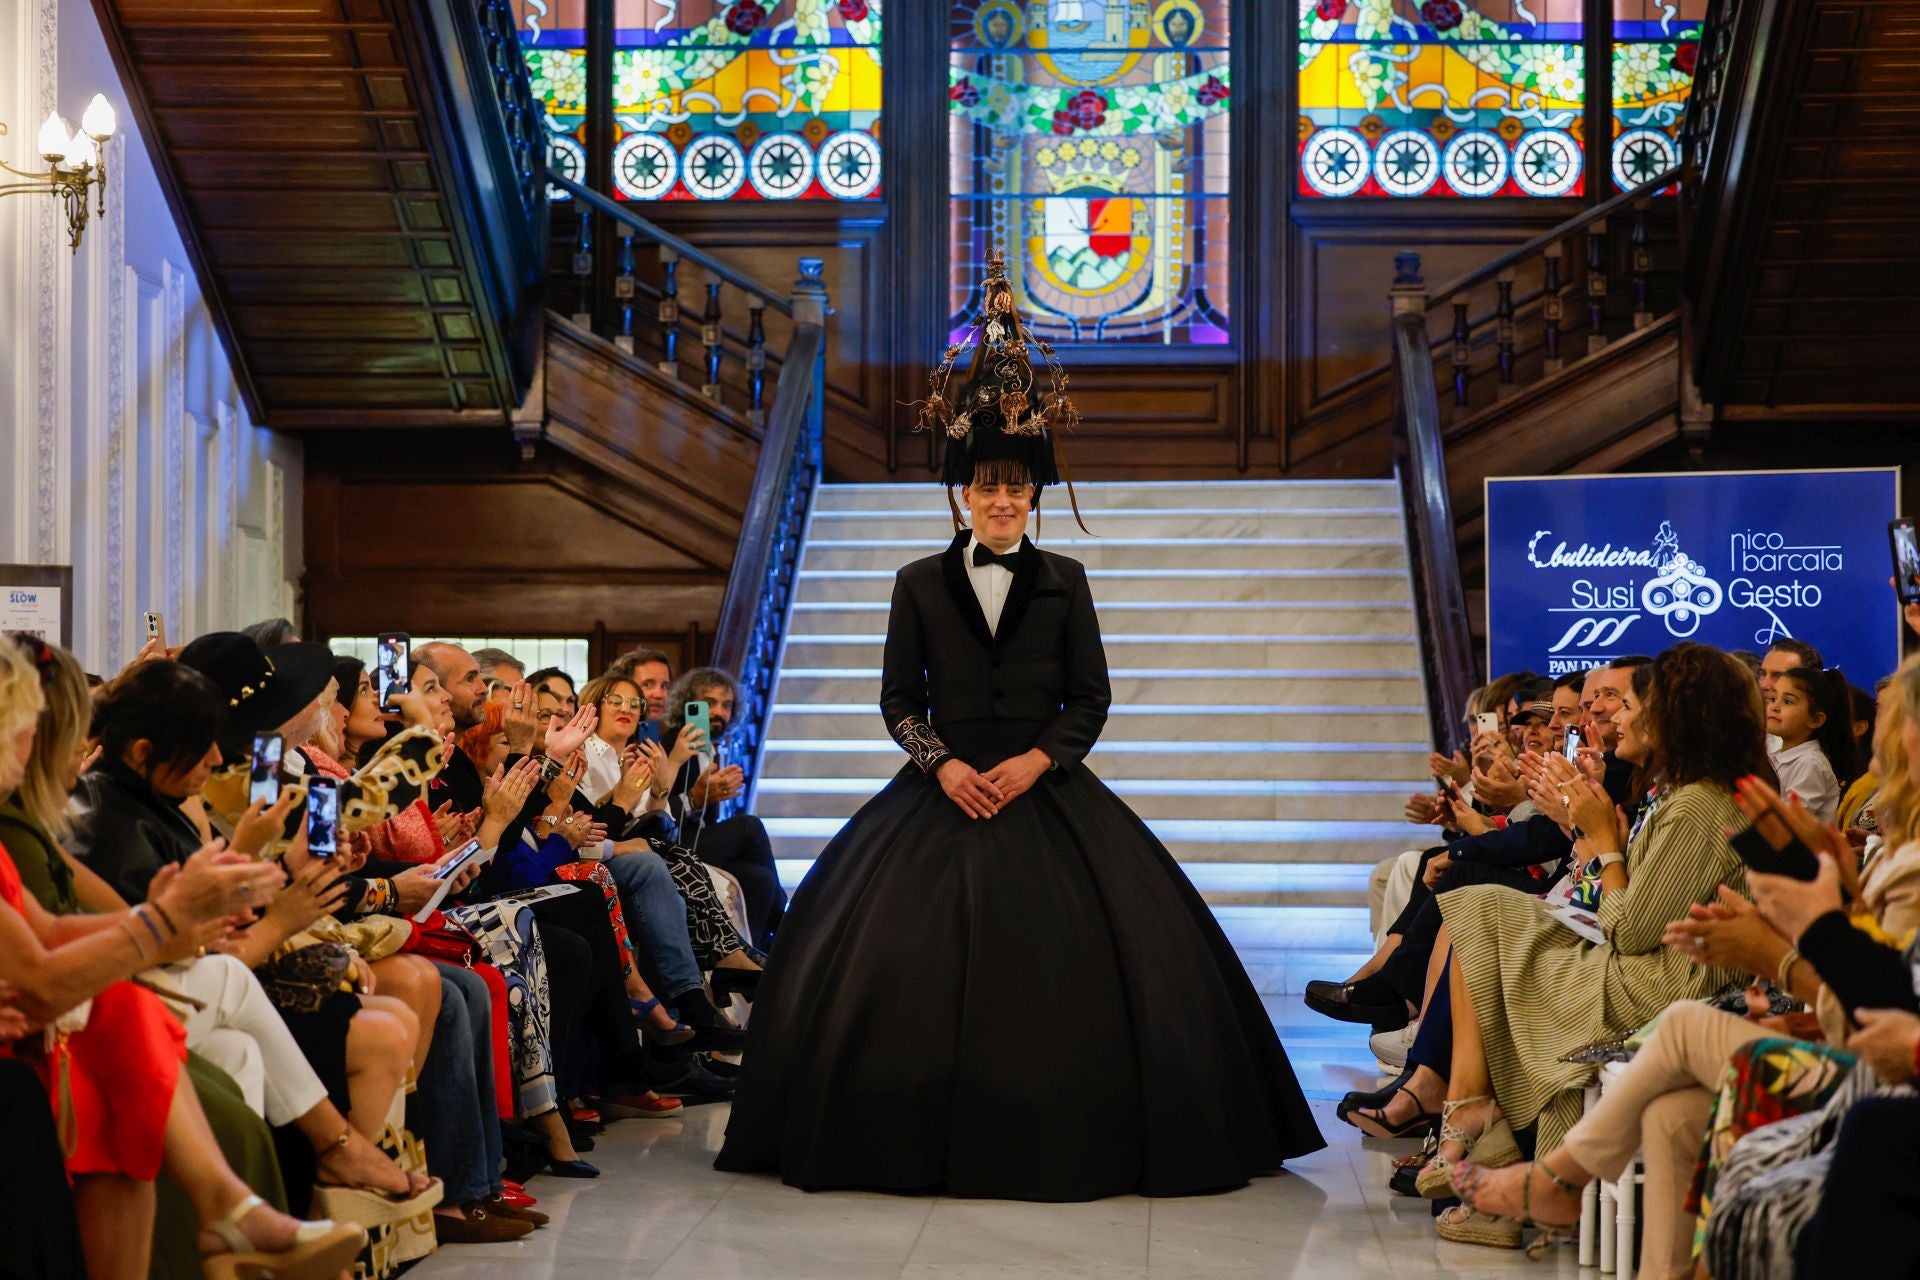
982, 795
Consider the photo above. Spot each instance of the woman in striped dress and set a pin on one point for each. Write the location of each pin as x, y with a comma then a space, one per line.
1527, 989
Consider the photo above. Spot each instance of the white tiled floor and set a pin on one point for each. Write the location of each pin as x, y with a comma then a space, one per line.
660, 1210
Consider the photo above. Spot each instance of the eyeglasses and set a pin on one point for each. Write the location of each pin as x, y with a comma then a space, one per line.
615, 701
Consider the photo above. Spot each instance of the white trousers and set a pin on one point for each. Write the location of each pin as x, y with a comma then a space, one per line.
1389, 889
241, 1032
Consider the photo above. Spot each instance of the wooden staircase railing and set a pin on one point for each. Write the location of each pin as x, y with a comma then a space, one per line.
753, 614
1436, 400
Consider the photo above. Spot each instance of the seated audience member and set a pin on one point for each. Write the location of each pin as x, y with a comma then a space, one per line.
236, 1028
738, 845
118, 1082
555, 695
500, 669
1810, 714
652, 673
1527, 989
1661, 1101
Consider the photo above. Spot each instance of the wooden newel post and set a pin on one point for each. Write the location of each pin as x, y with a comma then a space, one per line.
623, 293
809, 301
1551, 308
1597, 286
669, 314
710, 337
757, 360
1503, 332
1642, 266
583, 271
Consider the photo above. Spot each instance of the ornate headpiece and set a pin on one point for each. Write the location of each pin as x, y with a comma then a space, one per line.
1000, 412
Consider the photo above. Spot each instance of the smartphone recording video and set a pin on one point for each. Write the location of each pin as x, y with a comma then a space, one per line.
392, 668
1573, 746
323, 817
1906, 559
263, 778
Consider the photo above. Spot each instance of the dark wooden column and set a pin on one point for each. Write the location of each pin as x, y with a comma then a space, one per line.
913, 134
600, 156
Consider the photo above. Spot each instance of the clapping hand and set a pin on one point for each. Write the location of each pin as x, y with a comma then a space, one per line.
1791, 905
1727, 933
1779, 821
562, 785
1454, 766
1497, 785
1594, 814
521, 719
1424, 808
565, 737
508, 789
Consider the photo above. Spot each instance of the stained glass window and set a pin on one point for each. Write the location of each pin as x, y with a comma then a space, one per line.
1090, 148
553, 37
746, 99
721, 99
1441, 98
1654, 48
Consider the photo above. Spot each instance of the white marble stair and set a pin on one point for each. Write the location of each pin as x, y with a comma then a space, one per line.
1268, 719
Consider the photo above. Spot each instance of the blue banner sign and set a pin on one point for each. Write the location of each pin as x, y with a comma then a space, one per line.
1581, 569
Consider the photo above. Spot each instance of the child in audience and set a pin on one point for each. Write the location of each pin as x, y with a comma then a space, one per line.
1811, 712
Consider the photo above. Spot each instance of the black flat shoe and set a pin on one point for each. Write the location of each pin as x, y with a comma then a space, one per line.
572, 1169
1341, 1005
692, 1080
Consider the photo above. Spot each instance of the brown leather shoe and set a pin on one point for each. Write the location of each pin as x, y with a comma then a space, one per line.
498, 1206
479, 1225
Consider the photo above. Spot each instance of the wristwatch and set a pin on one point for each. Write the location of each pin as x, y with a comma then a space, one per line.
1611, 858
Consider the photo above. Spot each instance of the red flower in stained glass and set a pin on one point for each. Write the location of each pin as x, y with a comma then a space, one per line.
1686, 57
1442, 15
1212, 91
965, 93
1084, 110
745, 17
853, 10
1330, 10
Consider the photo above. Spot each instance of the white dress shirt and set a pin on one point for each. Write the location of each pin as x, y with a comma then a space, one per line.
991, 583
1805, 770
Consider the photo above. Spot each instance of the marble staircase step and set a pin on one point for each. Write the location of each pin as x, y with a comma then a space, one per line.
1147, 553
1170, 650
1224, 686
1197, 619
874, 756
1304, 588
1144, 496
935, 527
1158, 722
819, 797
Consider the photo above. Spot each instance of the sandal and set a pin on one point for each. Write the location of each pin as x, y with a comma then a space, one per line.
373, 1206
321, 1250
1469, 1226
1467, 1181
680, 1034
1496, 1146
1361, 1117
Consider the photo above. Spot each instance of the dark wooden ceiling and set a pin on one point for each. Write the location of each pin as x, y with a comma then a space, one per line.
308, 152
1808, 251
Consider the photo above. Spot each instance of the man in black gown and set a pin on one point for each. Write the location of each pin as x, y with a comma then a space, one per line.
995, 981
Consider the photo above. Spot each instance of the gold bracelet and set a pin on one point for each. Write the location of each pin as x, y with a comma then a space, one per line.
1787, 962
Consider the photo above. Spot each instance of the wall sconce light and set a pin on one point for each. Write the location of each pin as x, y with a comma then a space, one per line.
75, 162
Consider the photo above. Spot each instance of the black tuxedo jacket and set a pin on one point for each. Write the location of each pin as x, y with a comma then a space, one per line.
1044, 665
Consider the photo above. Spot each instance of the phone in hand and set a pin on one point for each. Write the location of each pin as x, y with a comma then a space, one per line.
1573, 745
1487, 721
263, 776
1906, 559
153, 626
699, 717
454, 864
323, 817
649, 731
1796, 861
392, 666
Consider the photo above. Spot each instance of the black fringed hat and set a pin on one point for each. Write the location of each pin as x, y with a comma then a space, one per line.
1000, 412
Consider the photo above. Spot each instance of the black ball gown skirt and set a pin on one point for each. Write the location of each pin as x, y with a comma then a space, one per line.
1036, 1006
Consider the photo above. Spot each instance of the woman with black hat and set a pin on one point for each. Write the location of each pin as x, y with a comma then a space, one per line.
911, 1033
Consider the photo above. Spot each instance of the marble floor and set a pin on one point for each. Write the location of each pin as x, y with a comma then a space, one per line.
660, 1210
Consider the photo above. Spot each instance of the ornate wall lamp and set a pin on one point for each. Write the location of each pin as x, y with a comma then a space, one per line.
74, 162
